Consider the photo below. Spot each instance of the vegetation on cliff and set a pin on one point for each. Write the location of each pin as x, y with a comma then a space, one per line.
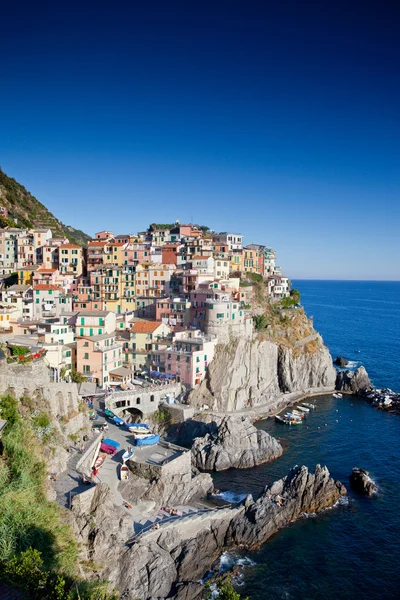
24, 210
38, 549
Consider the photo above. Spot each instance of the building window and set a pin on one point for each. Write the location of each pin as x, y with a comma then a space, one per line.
137, 400
151, 398
86, 355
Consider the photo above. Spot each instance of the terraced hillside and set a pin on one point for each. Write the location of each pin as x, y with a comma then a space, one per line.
31, 213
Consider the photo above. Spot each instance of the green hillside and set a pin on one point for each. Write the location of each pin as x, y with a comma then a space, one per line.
30, 213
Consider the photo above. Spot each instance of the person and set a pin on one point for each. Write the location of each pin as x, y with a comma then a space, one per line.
126, 504
83, 448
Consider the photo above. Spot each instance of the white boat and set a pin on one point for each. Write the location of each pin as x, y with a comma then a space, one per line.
124, 473
308, 405
136, 429
303, 409
298, 413
127, 455
338, 395
141, 436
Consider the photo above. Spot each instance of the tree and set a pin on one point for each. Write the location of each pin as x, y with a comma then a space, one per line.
77, 377
295, 295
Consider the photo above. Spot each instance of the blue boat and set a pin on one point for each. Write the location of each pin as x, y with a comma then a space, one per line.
118, 421
147, 441
111, 442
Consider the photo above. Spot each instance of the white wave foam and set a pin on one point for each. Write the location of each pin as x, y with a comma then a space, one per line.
343, 501
353, 364
228, 560
231, 496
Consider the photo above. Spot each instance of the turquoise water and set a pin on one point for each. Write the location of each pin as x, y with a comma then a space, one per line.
351, 550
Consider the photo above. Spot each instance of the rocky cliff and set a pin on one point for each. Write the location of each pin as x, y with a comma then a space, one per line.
170, 562
249, 373
230, 441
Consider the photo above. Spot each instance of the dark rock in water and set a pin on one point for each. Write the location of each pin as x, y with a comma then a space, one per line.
340, 362
361, 482
347, 381
232, 441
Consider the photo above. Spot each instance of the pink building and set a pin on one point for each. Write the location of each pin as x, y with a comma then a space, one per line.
97, 356
174, 312
188, 357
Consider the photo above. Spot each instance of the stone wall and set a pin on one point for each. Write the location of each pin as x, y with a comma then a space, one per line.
146, 400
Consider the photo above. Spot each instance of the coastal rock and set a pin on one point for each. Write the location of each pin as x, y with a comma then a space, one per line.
234, 442
250, 373
354, 382
299, 492
340, 361
361, 482
169, 562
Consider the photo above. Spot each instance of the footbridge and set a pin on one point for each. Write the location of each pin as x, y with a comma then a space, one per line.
142, 400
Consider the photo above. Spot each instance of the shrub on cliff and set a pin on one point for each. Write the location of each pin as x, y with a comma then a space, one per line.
26, 572
260, 322
225, 590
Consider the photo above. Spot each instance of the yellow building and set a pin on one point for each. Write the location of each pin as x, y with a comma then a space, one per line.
71, 260
115, 286
114, 253
25, 274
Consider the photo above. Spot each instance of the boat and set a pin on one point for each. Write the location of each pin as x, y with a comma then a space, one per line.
280, 419
338, 395
293, 417
108, 449
308, 405
111, 442
93, 417
139, 427
117, 420
304, 409
99, 461
127, 455
142, 435
148, 441
298, 413
124, 473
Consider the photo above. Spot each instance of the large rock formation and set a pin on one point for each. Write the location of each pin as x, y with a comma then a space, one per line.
170, 562
171, 484
235, 442
353, 382
250, 373
361, 482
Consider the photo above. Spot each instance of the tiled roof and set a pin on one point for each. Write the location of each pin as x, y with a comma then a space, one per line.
97, 243
198, 257
43, 286
69, 246
41, 270
145, 326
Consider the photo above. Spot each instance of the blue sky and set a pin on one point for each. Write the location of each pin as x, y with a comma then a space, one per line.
279, 122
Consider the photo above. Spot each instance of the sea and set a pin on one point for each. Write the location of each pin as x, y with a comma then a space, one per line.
352, 550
